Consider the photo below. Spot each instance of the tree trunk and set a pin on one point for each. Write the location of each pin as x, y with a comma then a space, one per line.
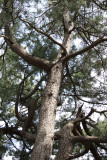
65, 147
45, 136
44, 140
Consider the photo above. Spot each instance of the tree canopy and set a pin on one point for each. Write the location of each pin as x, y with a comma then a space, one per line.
53, 76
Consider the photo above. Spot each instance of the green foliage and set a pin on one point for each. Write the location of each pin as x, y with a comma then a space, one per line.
89, 24
46, 50
3, 147
101, 130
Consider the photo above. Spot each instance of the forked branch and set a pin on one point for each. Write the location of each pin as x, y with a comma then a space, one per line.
44, 33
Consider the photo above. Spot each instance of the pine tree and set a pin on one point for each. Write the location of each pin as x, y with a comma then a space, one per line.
46, 74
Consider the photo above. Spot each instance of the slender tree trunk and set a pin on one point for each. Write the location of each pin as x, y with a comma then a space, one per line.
44, 140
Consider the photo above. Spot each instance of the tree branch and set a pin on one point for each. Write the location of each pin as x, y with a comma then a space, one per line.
103, 7
31, 114
79, 154
14, 131
45, 34
77, 120
19, 50
95, 43
17, 103
88, 139
34, 90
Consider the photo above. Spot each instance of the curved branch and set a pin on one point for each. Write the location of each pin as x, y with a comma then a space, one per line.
95, 43
94, 151
19, 50
90, 102
13, 144
77, 120
79, 154
14, 131
92, 147
34, 90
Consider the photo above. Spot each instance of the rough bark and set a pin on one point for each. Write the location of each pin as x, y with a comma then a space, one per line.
88, 139
44, 140
65, 149
23, 53
45, 135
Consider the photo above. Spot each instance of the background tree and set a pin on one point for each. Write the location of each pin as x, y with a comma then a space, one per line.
46, 74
